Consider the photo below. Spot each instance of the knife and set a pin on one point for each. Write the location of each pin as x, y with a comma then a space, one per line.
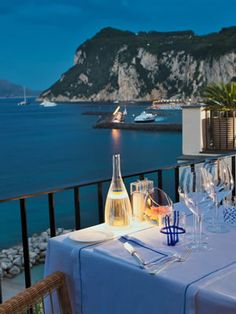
133, 252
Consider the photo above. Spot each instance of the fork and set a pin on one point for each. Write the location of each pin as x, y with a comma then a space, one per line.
169, 261
154, 270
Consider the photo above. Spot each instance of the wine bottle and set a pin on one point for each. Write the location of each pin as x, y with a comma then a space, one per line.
118, 211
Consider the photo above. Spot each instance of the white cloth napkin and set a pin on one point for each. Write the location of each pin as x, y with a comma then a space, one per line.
145, 243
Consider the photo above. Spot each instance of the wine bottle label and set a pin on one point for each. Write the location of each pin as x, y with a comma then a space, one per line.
117, 195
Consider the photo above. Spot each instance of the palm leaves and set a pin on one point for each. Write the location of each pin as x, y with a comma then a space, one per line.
220, 96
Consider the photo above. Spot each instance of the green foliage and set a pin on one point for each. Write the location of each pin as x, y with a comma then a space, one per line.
220, 96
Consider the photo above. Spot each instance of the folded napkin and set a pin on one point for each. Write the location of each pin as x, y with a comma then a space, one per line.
149, 251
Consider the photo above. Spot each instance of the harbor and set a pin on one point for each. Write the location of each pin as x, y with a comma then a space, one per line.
145, 121
177, 127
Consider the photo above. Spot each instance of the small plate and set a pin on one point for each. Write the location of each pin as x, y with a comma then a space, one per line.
88, 236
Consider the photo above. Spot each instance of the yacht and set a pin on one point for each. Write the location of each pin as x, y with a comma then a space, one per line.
145, 117
48, 103
125, 112
23, 102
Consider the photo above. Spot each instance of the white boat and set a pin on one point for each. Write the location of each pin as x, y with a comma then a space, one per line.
23, 102
116, 102
125, 112
145, 117
48, 103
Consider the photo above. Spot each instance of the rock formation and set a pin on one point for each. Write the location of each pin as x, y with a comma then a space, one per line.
129, 66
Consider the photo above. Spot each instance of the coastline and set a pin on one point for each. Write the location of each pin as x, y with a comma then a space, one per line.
107, 101
12, 261
174, 127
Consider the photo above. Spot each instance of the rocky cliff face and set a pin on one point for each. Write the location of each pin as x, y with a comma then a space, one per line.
126, 66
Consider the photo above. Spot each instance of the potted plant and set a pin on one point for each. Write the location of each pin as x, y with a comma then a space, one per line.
220, 99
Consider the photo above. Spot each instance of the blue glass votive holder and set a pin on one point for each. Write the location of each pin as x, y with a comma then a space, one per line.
172, 229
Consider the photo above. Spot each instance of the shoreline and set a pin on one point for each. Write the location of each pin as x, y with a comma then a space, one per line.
12, 261
176, 127
14, 285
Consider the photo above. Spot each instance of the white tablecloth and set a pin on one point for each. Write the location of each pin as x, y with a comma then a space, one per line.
104, 279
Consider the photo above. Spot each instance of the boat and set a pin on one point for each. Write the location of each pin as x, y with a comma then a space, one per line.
116, 102
145, 117
23, 102
125, 112
48, 103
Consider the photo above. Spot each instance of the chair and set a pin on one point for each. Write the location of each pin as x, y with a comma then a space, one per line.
32, 300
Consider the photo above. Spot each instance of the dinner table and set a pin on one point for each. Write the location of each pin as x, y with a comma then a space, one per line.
102, 277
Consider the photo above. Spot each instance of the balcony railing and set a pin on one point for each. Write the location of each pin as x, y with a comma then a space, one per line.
158, 173
219, 130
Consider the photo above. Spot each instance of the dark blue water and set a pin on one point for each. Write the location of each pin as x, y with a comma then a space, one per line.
45, 148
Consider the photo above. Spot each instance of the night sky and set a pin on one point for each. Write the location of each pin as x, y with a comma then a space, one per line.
39, 37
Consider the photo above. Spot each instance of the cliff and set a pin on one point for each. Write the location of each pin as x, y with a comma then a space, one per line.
122, 65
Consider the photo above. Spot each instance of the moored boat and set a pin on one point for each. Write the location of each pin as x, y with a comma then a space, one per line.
145, 117
23, 102
48, 103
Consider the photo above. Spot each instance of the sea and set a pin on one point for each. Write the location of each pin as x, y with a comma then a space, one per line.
44, 148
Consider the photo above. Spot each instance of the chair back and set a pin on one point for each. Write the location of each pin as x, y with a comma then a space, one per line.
50, 291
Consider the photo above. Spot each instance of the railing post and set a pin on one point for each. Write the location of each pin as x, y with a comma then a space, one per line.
160, 182
25, 243
77, 208
141, 177
176, 184
51, 207
192, 167
100, 203
233, 172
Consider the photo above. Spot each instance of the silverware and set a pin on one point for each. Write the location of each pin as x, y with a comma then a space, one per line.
141, 261
170, 260
157, 267
134, 253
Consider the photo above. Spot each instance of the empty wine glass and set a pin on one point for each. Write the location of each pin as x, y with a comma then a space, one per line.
184, 200
198, 192
223, 184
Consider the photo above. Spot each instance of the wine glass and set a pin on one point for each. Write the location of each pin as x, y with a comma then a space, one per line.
223, 184
184, 200
157, 205
198, 192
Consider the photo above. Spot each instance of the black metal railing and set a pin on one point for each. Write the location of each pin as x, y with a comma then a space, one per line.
100, 201
219, 130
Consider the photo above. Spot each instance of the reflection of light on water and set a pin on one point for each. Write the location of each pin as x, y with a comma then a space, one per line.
158, 119
115, 133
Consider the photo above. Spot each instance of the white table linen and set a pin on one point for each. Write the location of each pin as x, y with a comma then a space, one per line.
104, 278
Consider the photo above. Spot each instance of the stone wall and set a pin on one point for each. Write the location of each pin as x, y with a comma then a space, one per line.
11, 260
